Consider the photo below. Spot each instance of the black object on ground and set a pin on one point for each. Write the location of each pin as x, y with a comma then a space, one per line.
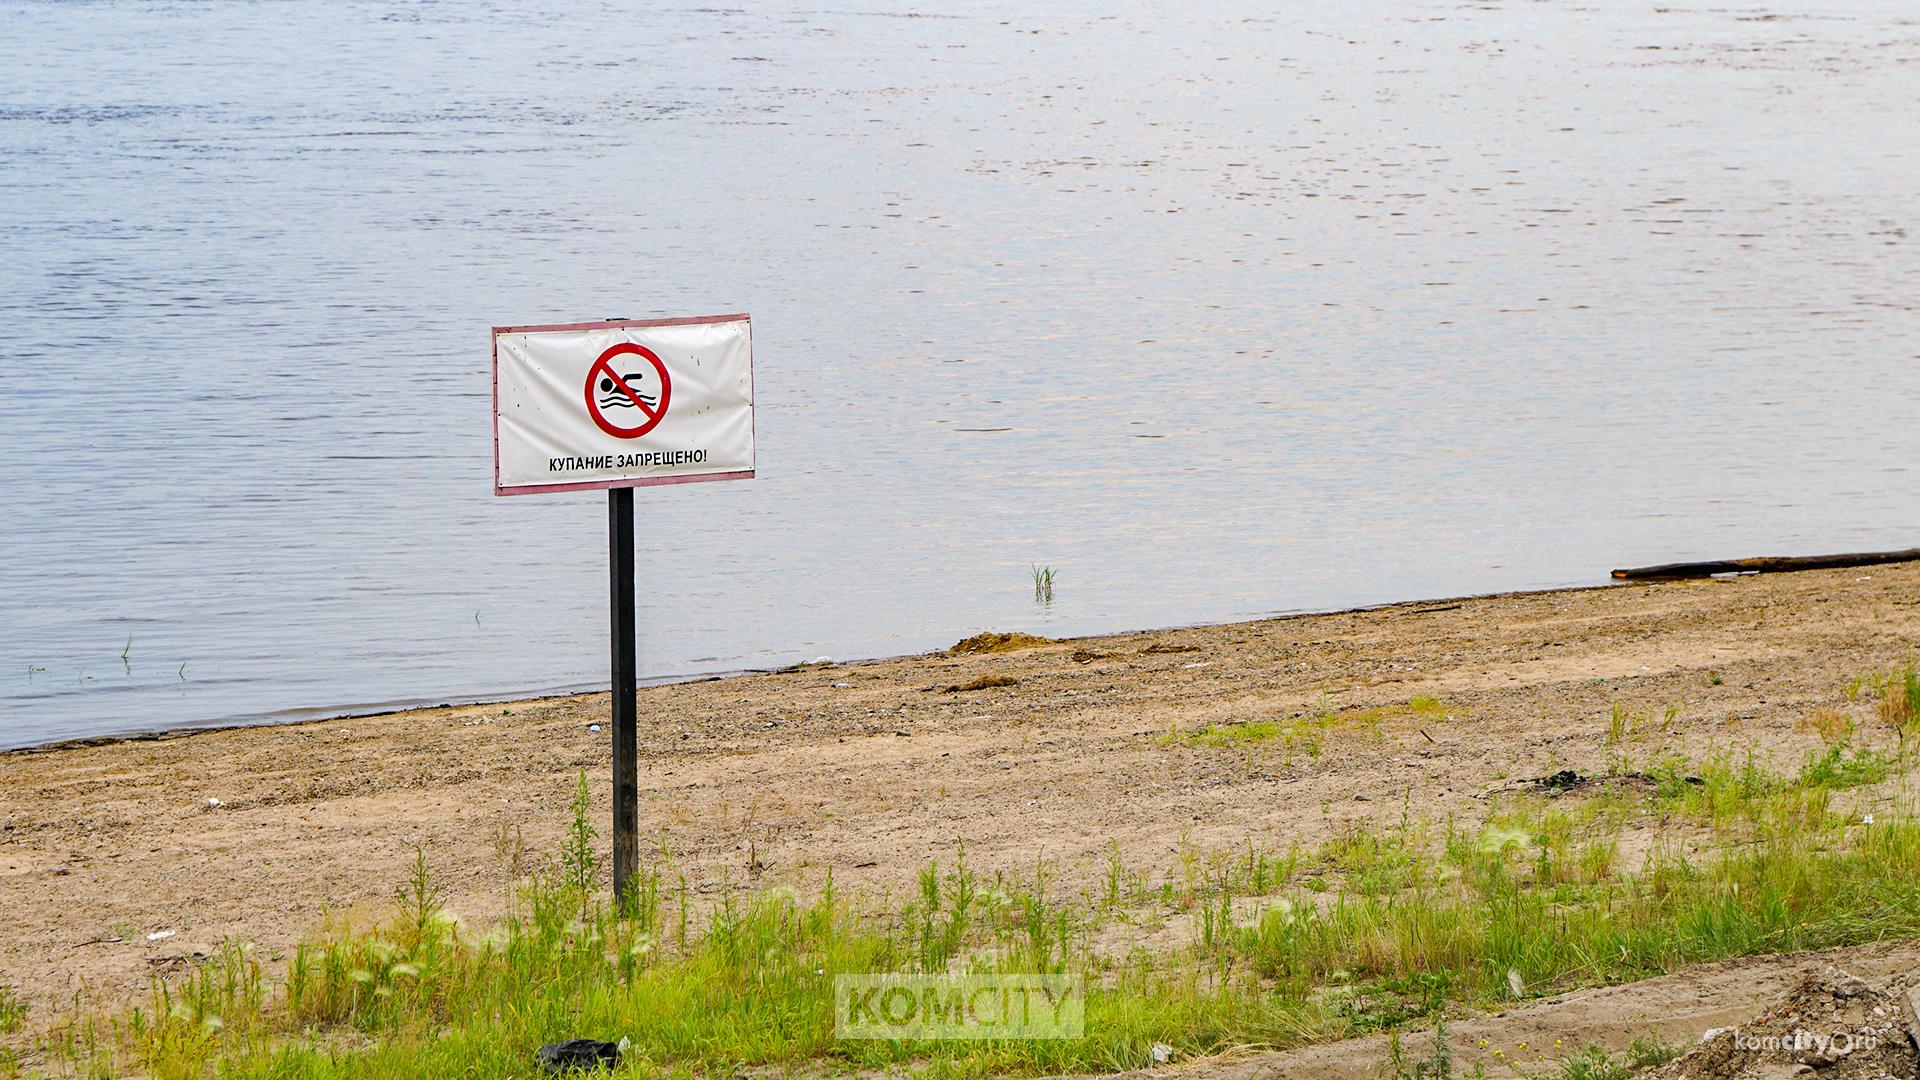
578, 1054
1564, 780
1766, 564
1554, 785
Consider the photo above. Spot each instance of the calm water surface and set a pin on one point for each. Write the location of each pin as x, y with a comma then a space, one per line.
1217, 314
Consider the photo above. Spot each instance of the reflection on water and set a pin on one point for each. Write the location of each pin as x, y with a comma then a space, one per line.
1215, 315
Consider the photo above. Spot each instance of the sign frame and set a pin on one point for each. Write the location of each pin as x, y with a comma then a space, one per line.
632, 482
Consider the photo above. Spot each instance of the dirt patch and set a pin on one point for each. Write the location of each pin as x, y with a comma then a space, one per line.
1835, 1025
996, 643
1528, 1042
1570, 782
984, 682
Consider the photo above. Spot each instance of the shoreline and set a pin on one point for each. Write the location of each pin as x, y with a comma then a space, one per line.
182, 731
1057, 753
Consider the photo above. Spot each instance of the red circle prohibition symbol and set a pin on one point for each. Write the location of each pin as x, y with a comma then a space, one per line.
604, 382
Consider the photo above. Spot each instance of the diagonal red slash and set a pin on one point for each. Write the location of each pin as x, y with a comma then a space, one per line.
620, 383
603, 368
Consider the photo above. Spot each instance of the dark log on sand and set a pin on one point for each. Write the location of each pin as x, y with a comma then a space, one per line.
1766, 564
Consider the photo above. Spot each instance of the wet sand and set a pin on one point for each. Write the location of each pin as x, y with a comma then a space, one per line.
869, 769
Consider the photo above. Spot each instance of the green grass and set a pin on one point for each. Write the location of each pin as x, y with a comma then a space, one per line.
1298, 734
1438, 1064
1841, 767
1381, 928
1900, 701
1626, 726
1594, 1063
753, 986
1898, 694
1043, 583
1491, 919
1251, 731
1306, 733
579, 850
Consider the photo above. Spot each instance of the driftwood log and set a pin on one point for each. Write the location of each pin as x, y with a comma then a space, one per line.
1766, 564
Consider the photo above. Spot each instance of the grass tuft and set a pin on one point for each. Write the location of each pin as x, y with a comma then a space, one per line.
1898, 694
1043, 584
578, 859
1595, 1063
1900, 700
12, 1010
1626, 726
1298, 734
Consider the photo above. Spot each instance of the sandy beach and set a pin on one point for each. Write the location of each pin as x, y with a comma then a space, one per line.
121, 860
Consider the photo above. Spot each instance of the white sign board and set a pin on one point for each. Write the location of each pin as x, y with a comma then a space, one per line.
622, 404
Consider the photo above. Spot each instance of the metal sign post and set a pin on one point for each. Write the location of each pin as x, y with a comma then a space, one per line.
626, 739
620, 404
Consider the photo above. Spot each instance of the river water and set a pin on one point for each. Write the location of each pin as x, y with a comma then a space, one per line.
1218, 310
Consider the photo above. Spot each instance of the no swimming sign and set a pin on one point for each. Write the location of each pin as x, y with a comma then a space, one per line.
622, 403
